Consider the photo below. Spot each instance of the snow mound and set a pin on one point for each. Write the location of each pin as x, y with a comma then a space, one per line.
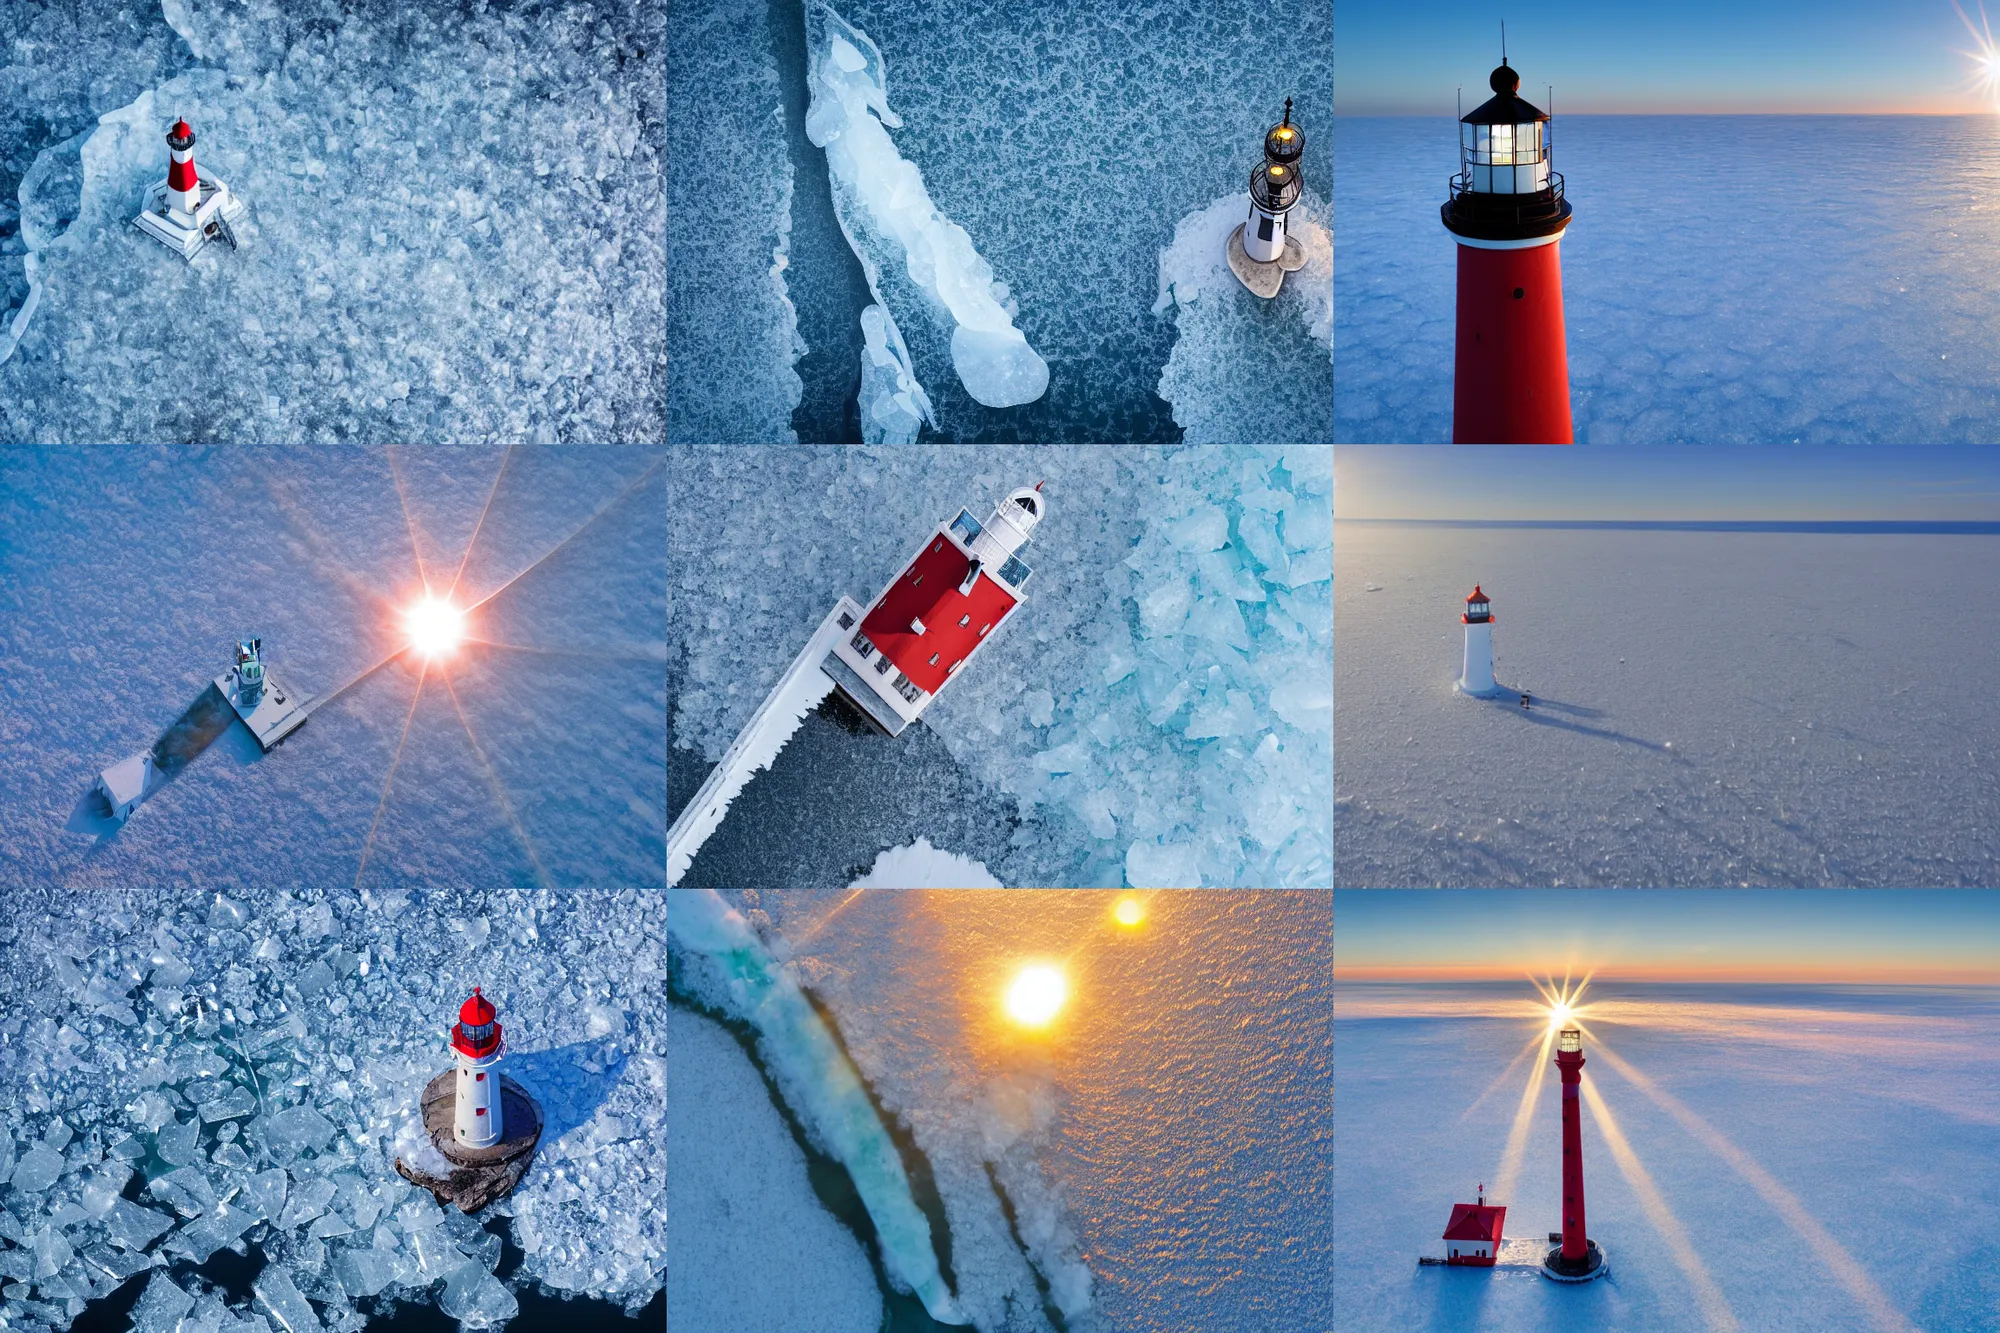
730, 323
922, 866
886, 212
1246, 369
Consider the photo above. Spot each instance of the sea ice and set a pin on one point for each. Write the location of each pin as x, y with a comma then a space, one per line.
888, 217
1244, 368
893, 405
160, 1306
922, 866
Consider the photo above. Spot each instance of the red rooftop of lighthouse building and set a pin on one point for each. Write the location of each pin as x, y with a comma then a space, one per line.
477, 1033
1476, 1227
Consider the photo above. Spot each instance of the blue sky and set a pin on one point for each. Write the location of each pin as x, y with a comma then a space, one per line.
1780, 934
1783, 483
1394, 57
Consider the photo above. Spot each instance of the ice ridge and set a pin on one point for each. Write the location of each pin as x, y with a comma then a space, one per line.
821, 1083
885, 211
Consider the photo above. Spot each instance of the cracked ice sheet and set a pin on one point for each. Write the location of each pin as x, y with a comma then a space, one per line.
125, 1009
1161, 709
436, 247
1153, 1193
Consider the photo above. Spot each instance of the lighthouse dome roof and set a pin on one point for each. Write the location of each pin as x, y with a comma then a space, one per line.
477, 1011
1505, 107
181, 135
1476, 595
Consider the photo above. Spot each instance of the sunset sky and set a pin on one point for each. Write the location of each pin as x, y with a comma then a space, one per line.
1890, 935
1678, 482
1791, 56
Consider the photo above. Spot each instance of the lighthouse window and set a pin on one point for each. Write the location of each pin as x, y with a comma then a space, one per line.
934, 658
882, 667
966, 526
480, 1111
965, 620
479, 1078
983, 629
1263, 229
915, 581
846, 620
861, 645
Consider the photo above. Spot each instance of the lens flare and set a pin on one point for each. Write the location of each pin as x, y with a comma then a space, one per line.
1985, 58
1036, 995
1129, 912
435, 626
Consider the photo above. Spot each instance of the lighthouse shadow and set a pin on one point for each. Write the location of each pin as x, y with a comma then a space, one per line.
571, 1082
1556, 713
206, 720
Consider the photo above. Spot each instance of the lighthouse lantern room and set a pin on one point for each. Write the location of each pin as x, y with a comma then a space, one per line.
949, 601
478, 1042
1510, 382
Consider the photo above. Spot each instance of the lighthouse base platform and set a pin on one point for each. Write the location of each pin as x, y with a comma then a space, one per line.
471, 1178
277, 714
1264, 279
1594, 1264
183, 233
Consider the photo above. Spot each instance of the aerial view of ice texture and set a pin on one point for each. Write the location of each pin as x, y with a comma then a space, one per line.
531, 755
1086, 1178
1157, 714
1702, 304
1002, 182
184, 1073
1783, 1158
456, 221
1709, 708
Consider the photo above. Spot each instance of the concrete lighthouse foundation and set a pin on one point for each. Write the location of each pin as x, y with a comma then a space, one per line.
1594, 1265
471, 1178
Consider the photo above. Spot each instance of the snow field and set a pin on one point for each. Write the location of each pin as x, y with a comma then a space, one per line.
255, 1060
1161, 702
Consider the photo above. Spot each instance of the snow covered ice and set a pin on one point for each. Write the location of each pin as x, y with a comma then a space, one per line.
1876, 1219
455, 227
163, 1039
1702, 306
1161, 713
1791, 709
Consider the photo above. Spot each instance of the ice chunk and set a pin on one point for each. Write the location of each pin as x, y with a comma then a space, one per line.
294, 1131
203, 1237
278, 1297
234, 1101
893, 405
52, 1252
225, 914
308, 1201
1041, 707
38, 1169
604, 1021
1156, 865
315, 979
922, 866
105, 1184
187, 1191
179, 1143
134, 1227
117, 1265
477, 1299
1234, 715
363, 1272
888, 215
265, 1193
160, 1306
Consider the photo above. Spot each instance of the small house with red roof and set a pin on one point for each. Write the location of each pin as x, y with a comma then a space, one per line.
1473, 1234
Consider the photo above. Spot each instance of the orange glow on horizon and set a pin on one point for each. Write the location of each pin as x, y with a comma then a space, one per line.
1914, 973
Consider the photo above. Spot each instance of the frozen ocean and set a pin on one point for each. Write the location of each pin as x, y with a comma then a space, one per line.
532, 756
456, 222
959, 220
1822, 279
1784, 1159
201, 1095
855, 1131
1713, 708
1158, 714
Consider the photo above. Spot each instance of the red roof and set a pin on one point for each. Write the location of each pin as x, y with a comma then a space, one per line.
1475, 1221
928, 592
477, 1011
181, 130
1477, 596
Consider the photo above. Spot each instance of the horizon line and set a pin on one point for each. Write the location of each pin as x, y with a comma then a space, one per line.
1732, 975
1934, 115
1855, 526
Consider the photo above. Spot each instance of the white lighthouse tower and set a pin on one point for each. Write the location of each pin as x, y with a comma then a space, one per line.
1477, 678
476, 1039
188, 209
1260, 251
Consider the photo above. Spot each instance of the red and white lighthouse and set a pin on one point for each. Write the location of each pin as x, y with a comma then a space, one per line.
1577, 1259
1476, 678
187, 210
477, 1041
1510, 379
1472, 1237
183, 184
950, 599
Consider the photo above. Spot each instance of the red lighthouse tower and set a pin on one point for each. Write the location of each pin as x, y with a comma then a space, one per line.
1577, 1259
1510, 381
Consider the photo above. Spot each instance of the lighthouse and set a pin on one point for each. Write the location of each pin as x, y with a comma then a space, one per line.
1510, 379
1472, 1237
1476, 678
1577, 1259
951, 597
477, 1041
188, 209
1260, 251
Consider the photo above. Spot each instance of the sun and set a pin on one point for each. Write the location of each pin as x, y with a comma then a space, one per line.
1559, 1014
1036, 995
1129, 913
435, 626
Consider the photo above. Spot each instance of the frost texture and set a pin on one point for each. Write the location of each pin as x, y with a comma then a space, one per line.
886, 212
893, 405
116, 1025
1166, 686
455, 230
1240, 369
731, 327
746, 981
